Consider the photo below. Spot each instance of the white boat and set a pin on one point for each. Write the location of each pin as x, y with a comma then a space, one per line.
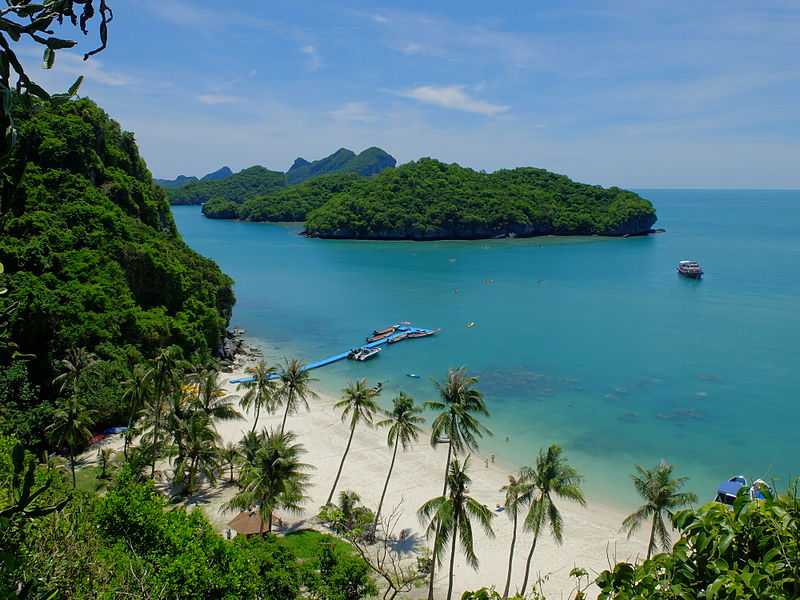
690, 269
364, 353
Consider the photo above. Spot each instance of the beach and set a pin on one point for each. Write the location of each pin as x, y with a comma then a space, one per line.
590, 534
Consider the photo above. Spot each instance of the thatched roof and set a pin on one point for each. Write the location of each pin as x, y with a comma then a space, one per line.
248, 522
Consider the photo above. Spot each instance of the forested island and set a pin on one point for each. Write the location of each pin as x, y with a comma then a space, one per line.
258, 181
428, 200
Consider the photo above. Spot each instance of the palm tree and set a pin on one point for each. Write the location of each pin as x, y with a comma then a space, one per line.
213, 399
199, 451
274, 479
404, 423
552, 477
295, 389
164, 375
517, 495
457, 424
77, 363
104, 456
358, 404
348, 502
249, 445
229, 455
662, 496
449, 517
260, 392
136, 392
71, 425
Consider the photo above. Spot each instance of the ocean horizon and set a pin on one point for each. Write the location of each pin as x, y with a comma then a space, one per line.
592, 343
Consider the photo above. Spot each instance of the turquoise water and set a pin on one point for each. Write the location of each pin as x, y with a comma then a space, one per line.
593, 343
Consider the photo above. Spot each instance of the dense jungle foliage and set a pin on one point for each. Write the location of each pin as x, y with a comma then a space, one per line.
245, 184
93, 259
428, 199
290, 204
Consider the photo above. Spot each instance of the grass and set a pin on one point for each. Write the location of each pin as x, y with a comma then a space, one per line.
305, 544
86, 478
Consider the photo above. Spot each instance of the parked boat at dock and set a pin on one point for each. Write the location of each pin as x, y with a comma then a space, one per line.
690, 269
364, 353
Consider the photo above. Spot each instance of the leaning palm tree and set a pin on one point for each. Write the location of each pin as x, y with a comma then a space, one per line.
260, 393
404, 423
552, 477
136, 392
661, 494
449, 517
71, 426
77, 363
357, 404
457, 424
213, 399
164, 375
295, 389
517, 494
276, 478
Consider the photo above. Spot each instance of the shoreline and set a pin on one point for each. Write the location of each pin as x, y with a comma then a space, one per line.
591, 534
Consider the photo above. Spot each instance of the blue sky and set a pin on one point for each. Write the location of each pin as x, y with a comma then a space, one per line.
637, 94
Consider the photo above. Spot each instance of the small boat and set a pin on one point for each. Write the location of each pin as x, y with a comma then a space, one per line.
379, 337
760, 490
420, 333
398, 338
727, 491
471, 324
364, 353
412, 375
690, 269
385, 331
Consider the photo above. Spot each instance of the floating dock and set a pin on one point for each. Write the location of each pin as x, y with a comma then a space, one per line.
399, 331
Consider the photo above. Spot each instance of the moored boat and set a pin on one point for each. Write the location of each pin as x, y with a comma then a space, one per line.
727, 491
690, 269
385, 331
422, 333
398, 338
363, 353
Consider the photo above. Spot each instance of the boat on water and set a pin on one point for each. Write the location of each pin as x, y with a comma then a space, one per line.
363, 353
398, 338
422, 333
690, 269
385, 330
412, 375
727, 491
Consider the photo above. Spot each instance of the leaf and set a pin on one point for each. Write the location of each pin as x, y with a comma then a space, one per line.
49, 58
59, 44
73, 89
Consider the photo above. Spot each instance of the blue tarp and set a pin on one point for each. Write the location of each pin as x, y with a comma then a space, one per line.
113, 430
730, 488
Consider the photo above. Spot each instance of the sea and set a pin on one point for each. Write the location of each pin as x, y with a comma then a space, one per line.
592, 343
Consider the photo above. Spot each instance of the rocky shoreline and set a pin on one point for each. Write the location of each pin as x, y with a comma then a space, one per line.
236, 352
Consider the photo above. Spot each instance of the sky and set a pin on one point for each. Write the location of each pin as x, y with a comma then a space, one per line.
630, 93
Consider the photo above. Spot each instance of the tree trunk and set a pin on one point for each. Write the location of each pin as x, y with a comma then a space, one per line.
285, 413
452, 560
341, 464
269, 524
255, 421
72, 466
385, 485
436, 535
231, 477
511, 556
155, 433
528, 563
652, 537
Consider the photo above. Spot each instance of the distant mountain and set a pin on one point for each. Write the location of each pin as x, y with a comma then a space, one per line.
218, 175
239, 187
370, 162
178, 182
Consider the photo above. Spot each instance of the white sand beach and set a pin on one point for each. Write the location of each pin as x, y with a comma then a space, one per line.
590, 534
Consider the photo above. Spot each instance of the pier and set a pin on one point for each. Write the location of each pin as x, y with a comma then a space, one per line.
400, 332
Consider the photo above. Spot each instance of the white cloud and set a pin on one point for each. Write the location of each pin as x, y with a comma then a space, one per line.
314, 62
358, 112
73, 65
215, 99
454, 97
380, 19
412, 48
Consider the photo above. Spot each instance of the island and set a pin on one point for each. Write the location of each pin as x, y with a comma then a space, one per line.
430, 200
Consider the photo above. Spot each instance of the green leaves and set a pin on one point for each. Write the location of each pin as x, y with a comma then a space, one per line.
49, 58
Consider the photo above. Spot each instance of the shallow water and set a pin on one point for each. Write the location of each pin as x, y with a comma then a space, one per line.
593, 343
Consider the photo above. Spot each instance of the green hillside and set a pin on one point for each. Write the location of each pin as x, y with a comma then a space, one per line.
92, 255
248, 183
369, 162
428, 199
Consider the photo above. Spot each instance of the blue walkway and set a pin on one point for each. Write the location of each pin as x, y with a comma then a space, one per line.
399, 331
